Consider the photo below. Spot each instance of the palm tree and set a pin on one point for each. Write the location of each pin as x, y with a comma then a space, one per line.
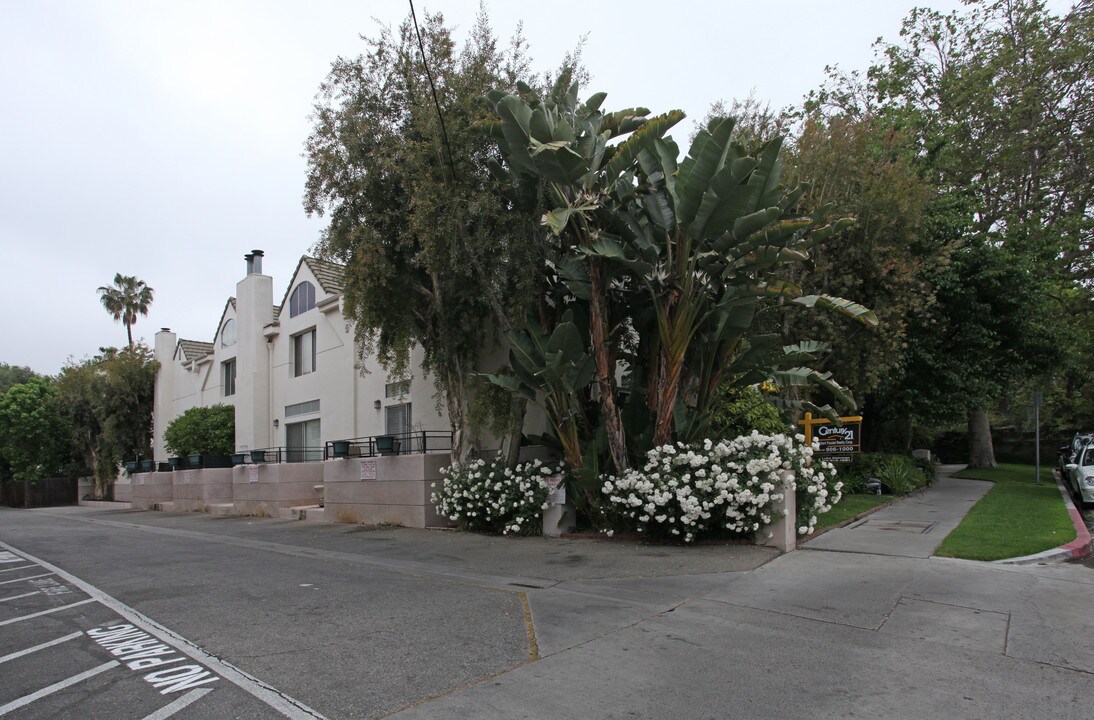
126, 299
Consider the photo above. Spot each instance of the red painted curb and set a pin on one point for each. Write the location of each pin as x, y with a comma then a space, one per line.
1080, 547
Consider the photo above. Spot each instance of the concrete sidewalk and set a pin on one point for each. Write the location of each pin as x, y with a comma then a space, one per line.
913, 527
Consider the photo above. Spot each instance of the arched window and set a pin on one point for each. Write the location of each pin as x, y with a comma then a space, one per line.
302, 299
228, 333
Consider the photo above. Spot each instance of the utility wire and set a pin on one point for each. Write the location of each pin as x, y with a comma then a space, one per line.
433, 89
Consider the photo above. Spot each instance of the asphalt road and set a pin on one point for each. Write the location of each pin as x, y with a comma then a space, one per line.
256, 618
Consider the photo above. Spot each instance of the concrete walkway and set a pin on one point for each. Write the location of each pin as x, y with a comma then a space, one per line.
913, 527
862, 622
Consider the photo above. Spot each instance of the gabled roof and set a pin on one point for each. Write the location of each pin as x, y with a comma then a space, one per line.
329, 274
193, 349
220, 323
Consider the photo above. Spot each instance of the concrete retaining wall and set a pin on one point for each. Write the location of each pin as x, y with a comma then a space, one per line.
123, 491
264, 490
383, 490
197, 489
148, 490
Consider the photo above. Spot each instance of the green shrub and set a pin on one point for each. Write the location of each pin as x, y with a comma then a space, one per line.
202, 431
899, 473
737, 411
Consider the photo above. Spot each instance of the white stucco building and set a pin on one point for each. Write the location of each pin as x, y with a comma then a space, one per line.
289, 369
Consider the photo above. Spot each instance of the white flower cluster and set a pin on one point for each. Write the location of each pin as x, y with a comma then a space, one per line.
489, 497
817, 488
725, 487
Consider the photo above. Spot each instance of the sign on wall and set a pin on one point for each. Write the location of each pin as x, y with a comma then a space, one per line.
368, 469
253, 470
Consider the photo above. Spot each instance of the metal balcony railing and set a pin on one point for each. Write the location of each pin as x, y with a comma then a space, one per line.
414, 442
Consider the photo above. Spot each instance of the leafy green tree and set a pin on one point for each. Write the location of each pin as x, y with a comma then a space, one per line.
31, 432
434, 257
859, 165
14, 375
127, 298
106, 402
998, 100
202, 431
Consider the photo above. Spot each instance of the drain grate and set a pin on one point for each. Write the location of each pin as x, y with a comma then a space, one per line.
915, 527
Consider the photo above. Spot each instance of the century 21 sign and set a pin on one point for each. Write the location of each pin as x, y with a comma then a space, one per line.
837, 442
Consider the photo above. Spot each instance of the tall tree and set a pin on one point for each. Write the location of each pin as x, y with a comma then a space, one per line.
106, 404
32, 435
999, 99
127, 298
433, 256
14, 375
666, 266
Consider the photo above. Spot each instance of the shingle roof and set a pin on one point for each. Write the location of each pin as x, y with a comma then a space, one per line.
329, 274
194, 349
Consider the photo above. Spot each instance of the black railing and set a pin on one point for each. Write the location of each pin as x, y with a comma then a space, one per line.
415, 442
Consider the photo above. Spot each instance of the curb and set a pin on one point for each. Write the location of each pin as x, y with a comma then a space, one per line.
1077, 549
116, 504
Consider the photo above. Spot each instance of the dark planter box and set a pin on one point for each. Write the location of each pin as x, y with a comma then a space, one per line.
217, 461
131, 467
385, 444
163, 467
340, 448
258, 456
193, 462
174, 463
238, 459
148, 465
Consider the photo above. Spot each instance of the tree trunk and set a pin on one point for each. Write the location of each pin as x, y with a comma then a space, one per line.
605, 370
981, 452
517, 407
457, 416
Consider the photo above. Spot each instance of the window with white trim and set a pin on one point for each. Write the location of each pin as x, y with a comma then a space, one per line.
303, 353
228, 377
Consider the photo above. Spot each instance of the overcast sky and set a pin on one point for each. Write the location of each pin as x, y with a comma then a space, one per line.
163, 139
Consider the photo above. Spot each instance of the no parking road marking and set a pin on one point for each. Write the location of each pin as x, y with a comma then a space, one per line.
142, 644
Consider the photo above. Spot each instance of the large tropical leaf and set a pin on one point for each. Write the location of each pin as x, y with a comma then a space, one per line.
851, 309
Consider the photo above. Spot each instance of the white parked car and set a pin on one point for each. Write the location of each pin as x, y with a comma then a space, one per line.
1080, 475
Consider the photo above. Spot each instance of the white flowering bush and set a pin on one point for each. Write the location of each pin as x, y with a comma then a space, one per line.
721, 488
488, 497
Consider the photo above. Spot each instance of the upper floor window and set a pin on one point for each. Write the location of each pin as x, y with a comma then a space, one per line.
302, 299
303, 353
228, 377
228, 333
397, 389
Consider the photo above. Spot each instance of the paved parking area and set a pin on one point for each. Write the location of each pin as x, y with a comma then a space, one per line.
64, 645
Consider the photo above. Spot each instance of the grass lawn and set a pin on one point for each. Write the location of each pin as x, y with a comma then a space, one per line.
850, 506
1017, 517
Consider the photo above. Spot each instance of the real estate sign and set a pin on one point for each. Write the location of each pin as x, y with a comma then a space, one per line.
837, 443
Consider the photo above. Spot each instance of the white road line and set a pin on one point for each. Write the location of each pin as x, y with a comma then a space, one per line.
287, 706
25, 567
43, 646
28, 699
28, 577
45, 612
167, 711
16, 597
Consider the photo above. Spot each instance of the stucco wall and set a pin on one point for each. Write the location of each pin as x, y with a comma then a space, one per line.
395, 490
